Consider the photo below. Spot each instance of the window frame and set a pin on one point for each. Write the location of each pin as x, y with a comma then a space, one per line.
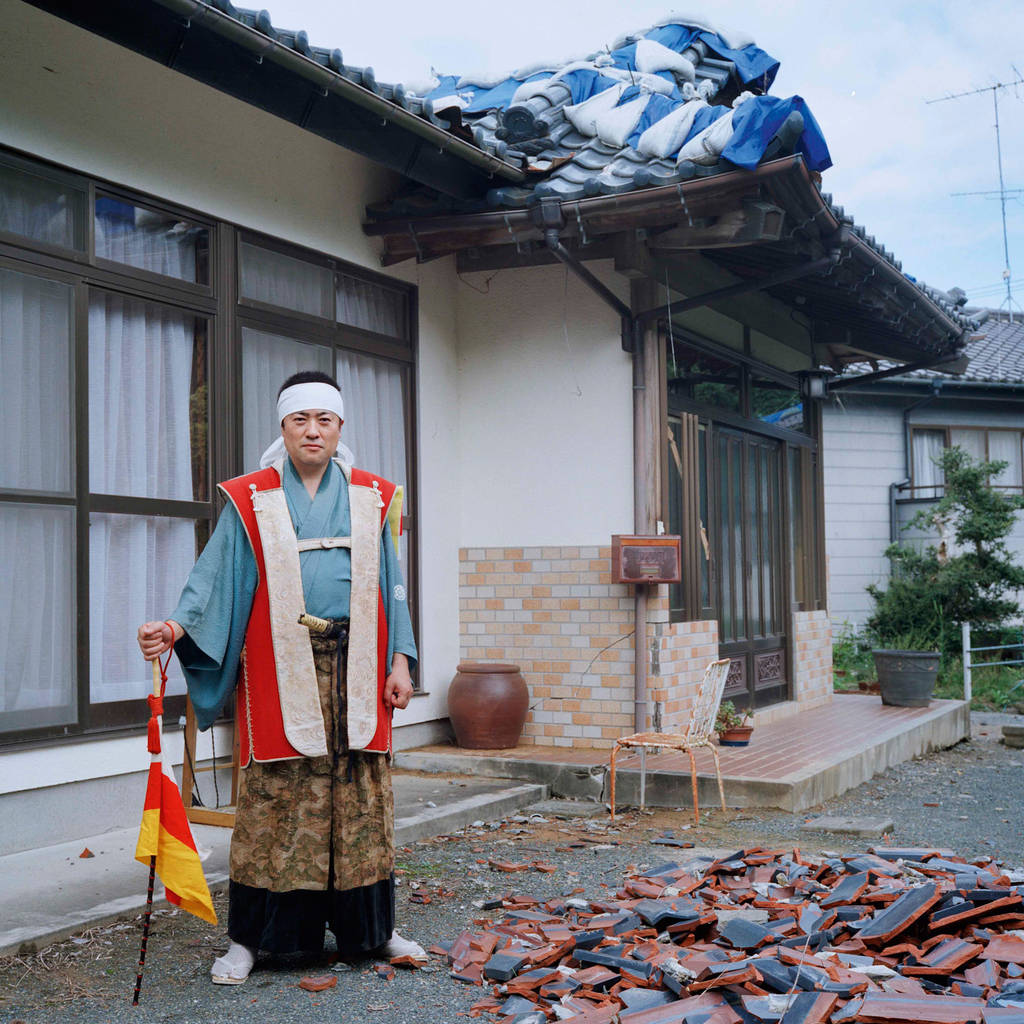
911, 489
220, 303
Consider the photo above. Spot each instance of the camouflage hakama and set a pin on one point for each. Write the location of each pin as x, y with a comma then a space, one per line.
313, 843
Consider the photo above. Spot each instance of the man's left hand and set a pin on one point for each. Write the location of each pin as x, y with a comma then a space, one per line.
398, 685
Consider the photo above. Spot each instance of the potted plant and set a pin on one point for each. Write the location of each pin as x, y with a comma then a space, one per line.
906, 670
968, 575
731, 725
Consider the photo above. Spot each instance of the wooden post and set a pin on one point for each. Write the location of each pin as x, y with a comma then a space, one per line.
647, 439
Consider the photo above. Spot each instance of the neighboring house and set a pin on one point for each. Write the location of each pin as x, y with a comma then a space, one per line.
592, 312
881, 439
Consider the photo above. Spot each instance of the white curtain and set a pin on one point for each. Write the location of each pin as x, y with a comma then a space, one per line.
141, 238
268, 360
37, 616
281, 280
35, 383
370, 306
140, 379
375, 417
1005, 446
37, 542
38, 208
927, 448
137, 567
140, 371
972, 442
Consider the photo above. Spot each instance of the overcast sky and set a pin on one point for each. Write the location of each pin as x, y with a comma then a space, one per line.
866, 69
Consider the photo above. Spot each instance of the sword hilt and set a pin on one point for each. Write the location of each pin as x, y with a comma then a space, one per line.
322, 627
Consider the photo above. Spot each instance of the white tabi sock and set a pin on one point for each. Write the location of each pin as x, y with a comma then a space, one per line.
397, 946
234, 966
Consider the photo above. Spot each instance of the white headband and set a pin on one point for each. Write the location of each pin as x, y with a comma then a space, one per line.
314, 395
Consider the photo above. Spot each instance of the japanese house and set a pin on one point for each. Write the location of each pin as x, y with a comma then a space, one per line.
563, 305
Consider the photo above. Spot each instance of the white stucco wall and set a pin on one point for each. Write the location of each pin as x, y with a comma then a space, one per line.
545, 421
79, 100
82, 101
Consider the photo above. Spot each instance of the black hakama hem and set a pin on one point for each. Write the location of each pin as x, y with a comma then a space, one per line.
361, 919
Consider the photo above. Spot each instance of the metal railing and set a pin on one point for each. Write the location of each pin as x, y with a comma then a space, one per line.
970, 667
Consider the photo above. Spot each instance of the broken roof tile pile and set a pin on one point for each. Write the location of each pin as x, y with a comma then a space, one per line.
891, 935
678, 101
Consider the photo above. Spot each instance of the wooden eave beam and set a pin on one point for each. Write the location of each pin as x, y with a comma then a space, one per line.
692, 274
688, 201
721, 295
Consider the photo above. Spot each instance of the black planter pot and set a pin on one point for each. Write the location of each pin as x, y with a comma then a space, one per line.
906, 678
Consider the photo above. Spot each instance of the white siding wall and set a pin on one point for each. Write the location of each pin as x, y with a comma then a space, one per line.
863, 454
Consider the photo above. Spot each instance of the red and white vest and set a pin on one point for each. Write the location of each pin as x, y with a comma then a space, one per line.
277, 699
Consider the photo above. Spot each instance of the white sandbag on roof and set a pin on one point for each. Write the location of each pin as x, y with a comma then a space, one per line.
652, 57
583, 116
707, 147
616, 125
529, 89
735, 40
666, 136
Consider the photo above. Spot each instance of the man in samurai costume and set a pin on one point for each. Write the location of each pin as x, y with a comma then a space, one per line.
306, 537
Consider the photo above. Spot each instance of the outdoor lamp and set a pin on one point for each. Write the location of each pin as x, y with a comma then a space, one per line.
814, 383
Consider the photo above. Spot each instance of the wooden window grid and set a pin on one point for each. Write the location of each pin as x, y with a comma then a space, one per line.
217, 302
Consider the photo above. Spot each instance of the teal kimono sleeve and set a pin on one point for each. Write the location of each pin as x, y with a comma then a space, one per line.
396, 604
214, 612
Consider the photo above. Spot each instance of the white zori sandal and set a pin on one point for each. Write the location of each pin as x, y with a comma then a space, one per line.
398, 946
234, 966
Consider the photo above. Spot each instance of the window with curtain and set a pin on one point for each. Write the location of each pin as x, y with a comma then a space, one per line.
41, 204
106, 476
37, 516
926, 474
980, 443
151, 240
147, 439
374, 394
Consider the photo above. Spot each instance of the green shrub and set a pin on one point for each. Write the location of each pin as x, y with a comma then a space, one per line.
932, 592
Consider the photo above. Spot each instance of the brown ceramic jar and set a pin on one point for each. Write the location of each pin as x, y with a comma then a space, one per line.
487, 705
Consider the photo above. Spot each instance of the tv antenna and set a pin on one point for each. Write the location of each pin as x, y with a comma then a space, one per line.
1003, 192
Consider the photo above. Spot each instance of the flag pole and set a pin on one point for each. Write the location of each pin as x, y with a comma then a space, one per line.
152, 873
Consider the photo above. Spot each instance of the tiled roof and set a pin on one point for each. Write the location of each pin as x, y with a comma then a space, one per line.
676, 101
995, 352
673, 102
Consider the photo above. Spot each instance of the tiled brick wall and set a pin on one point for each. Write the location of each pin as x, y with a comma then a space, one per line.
812, 657
553, 611
682, 654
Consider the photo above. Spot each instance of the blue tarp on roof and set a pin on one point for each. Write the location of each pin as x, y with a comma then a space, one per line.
758, 119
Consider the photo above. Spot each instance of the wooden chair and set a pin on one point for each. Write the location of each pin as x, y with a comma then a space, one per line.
699, 733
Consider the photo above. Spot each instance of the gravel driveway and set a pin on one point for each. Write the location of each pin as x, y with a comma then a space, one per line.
978, 787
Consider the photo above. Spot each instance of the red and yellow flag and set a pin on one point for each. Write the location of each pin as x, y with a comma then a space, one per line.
165, 832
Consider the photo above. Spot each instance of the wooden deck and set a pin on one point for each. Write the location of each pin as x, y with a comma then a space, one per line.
793, 763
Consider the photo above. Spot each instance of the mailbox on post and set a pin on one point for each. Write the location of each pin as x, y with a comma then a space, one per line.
638, 559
